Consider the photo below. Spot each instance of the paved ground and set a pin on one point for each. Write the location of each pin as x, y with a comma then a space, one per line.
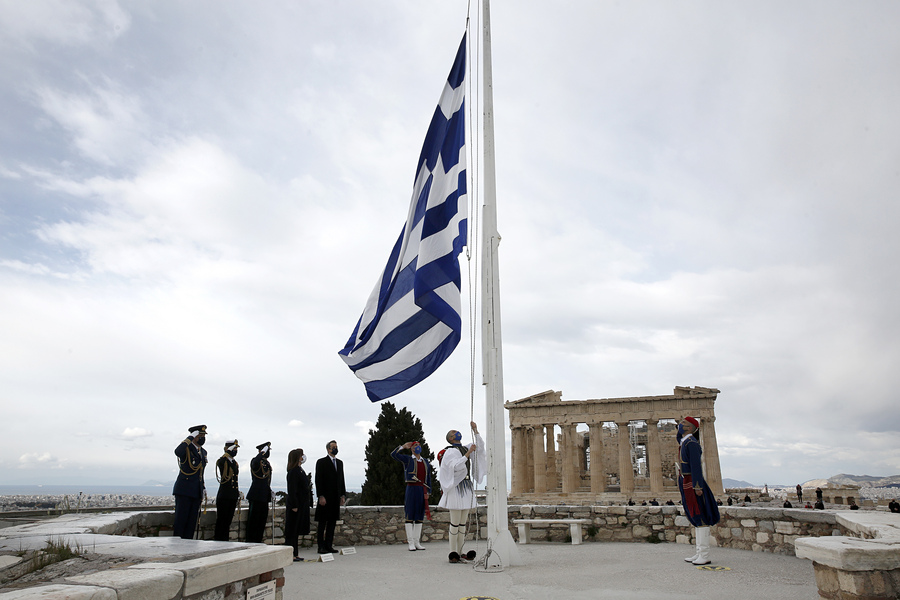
589, 571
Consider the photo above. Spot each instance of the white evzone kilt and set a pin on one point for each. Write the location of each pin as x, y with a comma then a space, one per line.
458, 489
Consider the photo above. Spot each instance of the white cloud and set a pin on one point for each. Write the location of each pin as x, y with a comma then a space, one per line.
43, 460
295, 423
131, 433
364, 426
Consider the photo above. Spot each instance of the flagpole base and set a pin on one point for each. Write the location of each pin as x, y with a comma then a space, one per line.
504, 550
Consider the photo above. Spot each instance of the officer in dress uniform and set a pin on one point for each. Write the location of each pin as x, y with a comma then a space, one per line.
260, 493
229, 494
190, 489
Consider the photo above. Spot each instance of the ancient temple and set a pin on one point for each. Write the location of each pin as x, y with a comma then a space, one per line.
606, 451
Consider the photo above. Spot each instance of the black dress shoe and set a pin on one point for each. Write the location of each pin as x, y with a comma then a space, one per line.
333, 551
321, 551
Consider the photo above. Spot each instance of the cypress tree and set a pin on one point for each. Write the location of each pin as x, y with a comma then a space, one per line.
384, 484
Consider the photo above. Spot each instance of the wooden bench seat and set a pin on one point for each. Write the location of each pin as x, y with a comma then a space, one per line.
575, 525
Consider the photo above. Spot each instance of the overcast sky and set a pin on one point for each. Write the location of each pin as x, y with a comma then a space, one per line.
196, 199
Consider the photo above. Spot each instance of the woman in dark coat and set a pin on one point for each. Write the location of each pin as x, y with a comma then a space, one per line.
296, 512
700, 506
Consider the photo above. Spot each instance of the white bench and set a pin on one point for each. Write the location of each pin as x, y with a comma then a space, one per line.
574, 527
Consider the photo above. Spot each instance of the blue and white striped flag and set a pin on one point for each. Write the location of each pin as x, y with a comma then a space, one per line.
412, 322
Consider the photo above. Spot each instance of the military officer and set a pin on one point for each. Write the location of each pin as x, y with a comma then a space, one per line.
259, 494
190, 489
229, 494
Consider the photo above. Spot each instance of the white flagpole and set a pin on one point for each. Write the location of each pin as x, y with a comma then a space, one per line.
500, 539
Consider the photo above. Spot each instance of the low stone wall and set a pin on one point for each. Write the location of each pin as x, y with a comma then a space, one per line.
745, 528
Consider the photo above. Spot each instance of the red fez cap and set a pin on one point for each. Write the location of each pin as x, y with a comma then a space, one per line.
693, 421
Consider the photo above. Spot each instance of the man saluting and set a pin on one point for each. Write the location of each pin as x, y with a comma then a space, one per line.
190, 488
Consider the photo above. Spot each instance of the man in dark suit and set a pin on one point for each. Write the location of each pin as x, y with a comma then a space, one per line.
190, 488
332, 494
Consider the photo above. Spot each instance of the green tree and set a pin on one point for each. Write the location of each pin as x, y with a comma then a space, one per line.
384, 484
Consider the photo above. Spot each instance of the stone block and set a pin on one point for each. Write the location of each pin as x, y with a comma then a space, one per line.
205, 573
768, 526
681, 521
784, 527
762, 537
682, 539
748, 523
136, 584
58, 591
737, 532
640, 531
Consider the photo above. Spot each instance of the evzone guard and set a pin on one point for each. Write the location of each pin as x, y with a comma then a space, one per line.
417, 475
461, 466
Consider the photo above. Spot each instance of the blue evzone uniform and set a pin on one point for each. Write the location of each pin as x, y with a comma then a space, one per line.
701, 511
416, 485
189, 488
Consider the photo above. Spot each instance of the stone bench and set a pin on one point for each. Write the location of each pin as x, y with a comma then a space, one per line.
848, 567
524, 526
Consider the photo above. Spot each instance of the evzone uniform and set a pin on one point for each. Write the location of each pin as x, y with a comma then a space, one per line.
417, 475
702, 511
458, 476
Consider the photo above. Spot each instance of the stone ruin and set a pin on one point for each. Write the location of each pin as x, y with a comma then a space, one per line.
607, 451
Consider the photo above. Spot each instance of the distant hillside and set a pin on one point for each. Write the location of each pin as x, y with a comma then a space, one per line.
734, 483
860, 480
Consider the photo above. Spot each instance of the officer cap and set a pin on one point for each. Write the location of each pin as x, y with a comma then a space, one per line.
197, 430
263, 445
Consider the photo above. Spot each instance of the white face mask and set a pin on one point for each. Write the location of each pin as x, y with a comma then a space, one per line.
302, 459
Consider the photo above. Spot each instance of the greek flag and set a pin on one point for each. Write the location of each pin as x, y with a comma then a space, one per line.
411, 322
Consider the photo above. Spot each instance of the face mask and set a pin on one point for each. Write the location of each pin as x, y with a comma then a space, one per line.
334, 451
458, 437
267, 453
200, 440
417, 449
302, 459
231, 453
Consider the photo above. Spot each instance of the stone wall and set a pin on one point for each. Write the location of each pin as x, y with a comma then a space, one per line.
745, 528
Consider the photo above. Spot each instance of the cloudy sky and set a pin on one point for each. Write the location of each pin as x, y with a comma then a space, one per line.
197, 197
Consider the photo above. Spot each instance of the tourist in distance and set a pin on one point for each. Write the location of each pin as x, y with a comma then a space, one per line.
260, 493
190, 489
787, 503
699, 505
417, 475
819, 494
229, 494
296, 504
332, 494
799, 493
894, 506
460, 466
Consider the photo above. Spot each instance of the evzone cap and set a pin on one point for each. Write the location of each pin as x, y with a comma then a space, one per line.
693, 421
197, 430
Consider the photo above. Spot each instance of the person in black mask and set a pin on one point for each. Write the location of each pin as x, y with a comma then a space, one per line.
260, 494
332, 494
190, 489
229, 494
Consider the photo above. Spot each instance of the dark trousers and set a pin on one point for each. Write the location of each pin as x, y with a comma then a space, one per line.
291, 527
325, 534
224, 515
187, 511
256, 521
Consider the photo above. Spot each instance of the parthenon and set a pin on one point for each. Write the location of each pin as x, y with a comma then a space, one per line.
626, 451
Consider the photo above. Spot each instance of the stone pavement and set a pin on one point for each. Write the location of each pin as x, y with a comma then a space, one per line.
622, 571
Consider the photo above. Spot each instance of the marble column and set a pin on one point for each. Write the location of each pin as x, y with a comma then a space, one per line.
569, 454
528, 458
518, 460
654, 456
598, 472
539, 461
552, 472
626, 469
712, 468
